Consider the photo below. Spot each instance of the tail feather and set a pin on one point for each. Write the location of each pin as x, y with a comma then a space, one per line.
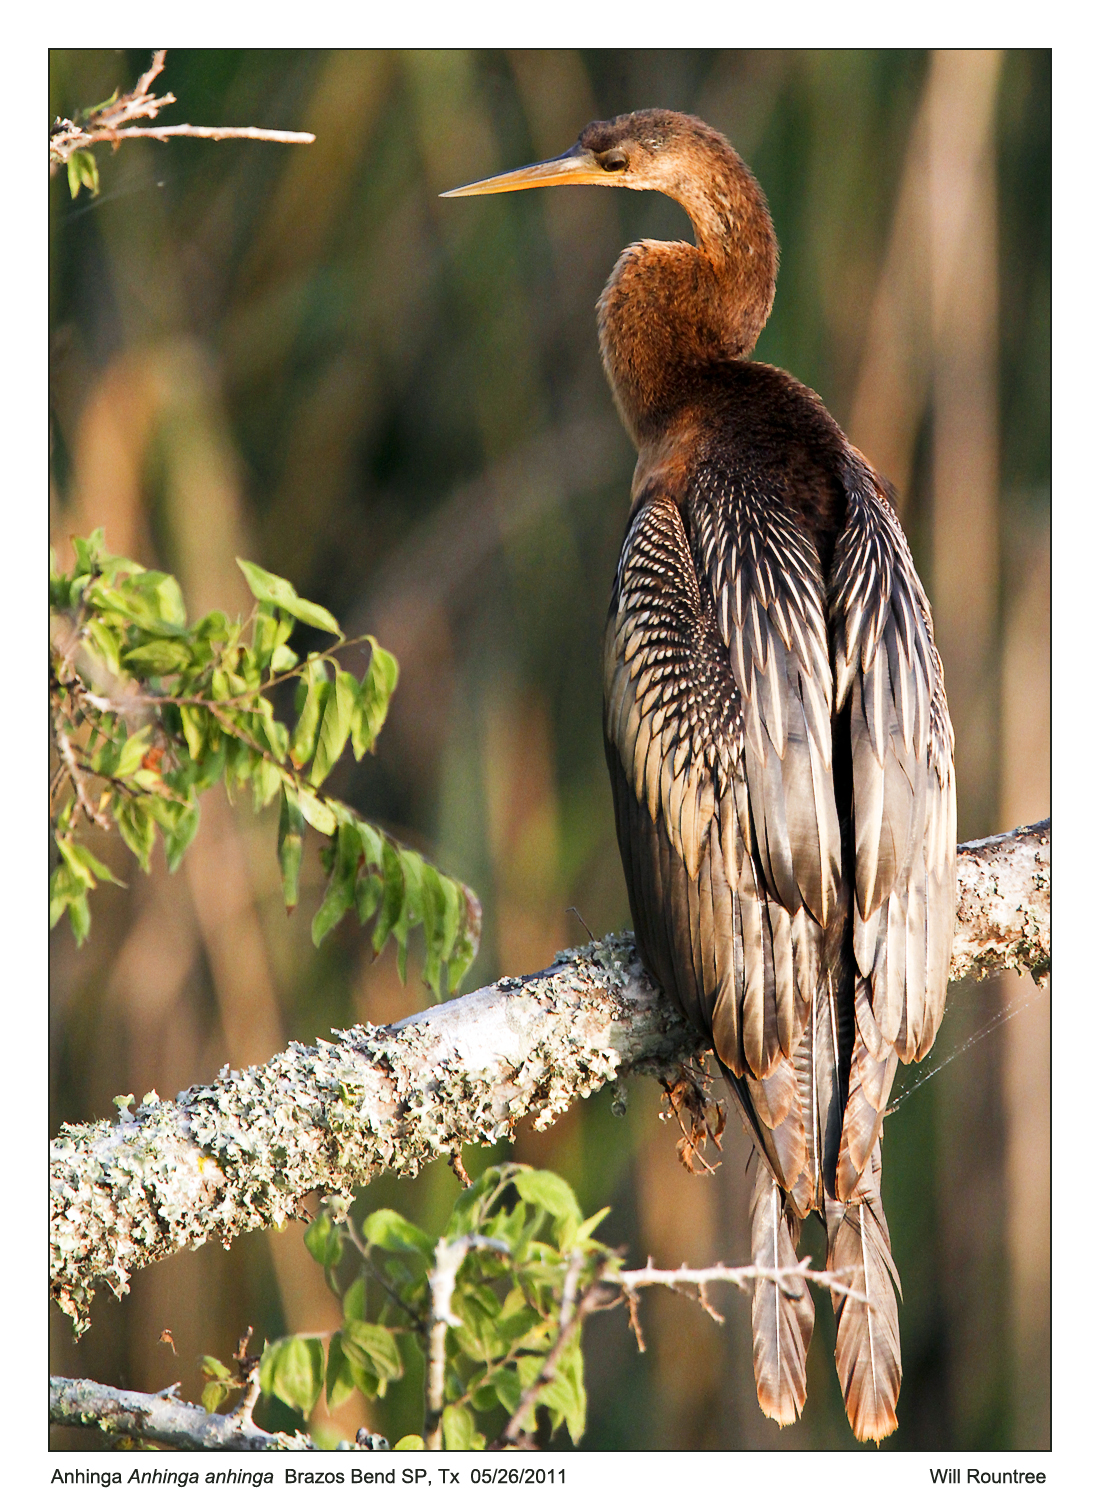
868, 1345
782, 1313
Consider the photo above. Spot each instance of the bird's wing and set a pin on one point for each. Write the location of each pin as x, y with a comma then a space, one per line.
719, 740
888, 670
890, 690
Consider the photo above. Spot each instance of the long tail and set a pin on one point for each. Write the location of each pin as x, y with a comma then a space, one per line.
868, 1345
782, 1312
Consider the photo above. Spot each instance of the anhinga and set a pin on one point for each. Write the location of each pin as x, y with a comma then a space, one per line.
778, 739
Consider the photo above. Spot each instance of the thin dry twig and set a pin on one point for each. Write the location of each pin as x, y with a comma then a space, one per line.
111, 123
459, 1169
739, 1276
75, 773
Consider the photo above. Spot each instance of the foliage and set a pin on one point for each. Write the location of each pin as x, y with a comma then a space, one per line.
148, 712
521, 1258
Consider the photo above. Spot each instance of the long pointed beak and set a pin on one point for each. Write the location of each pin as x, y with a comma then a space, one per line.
577, 165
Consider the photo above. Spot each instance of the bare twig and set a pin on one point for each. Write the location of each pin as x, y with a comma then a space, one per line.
110, 122
742, 1277
75, 772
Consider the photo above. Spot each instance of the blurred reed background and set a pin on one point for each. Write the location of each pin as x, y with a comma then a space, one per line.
302, 356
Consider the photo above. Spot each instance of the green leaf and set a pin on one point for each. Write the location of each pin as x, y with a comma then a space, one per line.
212, 627
293, 1370
483, 1397
339, 1379
506, 1384
179, 836
373, 699
291, 828
368, 893
586, 1230
80, 918
269, 588
373, 1347
340, 893
460, 1432
355, 1300
391, 1231
194, 721
324, 1240
214, 1393
213, 1368
133, 752
316, 812
303, 742
432, 908
84, 865
95, 109
412, 907
106, 643
469, 935
565, 1396
137, 827
549, 1191
149, 598
411, 1443
335, 726
393, 896
83, 172
64, 887
372, 840
267, 783
159, 658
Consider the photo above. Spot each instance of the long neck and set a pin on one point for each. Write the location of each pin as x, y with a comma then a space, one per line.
669, 310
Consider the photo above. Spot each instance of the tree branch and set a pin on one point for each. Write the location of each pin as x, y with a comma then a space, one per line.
241, 1153
111, 122
163, 1418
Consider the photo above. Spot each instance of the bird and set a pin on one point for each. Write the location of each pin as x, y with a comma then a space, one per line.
778, 741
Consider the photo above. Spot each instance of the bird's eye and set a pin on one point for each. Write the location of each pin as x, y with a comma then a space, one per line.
613, 160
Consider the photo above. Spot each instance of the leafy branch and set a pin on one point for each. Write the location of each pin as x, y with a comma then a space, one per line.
112, 121
147, 713
489, 1307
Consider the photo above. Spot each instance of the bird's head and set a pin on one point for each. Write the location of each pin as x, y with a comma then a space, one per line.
652, 149
656, 150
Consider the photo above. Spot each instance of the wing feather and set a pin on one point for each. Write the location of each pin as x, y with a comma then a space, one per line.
890, 685
868, 1344
782, 1311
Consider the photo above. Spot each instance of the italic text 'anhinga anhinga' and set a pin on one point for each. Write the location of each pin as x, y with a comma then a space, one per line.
778, 740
